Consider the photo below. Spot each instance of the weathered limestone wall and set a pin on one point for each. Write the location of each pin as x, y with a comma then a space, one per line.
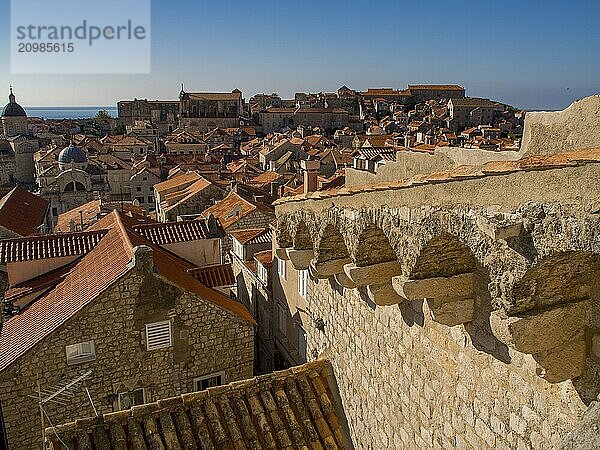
576, 127
206, 339
504, 352
409, 383
409, 164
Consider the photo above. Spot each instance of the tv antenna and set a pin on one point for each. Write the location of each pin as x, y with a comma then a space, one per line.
61, 393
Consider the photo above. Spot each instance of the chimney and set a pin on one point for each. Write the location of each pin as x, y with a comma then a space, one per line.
311, 172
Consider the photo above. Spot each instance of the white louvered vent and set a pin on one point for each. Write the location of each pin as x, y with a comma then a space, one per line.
158, 335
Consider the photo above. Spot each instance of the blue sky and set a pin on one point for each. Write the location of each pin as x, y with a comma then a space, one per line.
532, 54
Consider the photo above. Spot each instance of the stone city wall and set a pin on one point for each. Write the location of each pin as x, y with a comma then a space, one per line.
458, 313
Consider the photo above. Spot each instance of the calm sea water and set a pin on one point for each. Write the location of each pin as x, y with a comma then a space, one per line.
68, 112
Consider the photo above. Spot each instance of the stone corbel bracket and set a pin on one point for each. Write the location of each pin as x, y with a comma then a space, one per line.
300, 259
281, 253
378, 280
451, 300
555, 337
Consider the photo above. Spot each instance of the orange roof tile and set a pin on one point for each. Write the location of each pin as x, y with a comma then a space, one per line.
176, 181
170, 232
217, 275
22, 212
49, 246
91, 276
265, 257
248, 235
296, 408
266, 178
231, 209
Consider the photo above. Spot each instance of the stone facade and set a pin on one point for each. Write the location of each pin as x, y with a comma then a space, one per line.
459, 311
206, 340
408, 382
255, 293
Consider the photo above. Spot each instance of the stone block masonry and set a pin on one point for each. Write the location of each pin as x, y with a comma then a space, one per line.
460, 311
206, 339
408, 382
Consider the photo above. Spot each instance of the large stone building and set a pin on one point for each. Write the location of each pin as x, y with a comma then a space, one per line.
15, 129
471, 112
113, 310
69, 178
423, 92
163, 114
276, 119
460, 307
204, 111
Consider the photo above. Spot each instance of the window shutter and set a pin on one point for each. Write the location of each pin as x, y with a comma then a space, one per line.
158, 335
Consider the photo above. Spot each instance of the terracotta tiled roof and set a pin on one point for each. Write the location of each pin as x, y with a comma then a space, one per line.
252, 236
93, 211
265, 257
93, 274
168, 233
542, 162
22, 212
177, 181
296, 408
181, 188
217, 275
49, 246
266, 178
39, 284
231, 209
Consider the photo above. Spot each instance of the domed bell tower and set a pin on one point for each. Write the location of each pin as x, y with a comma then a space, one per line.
14, 118
14, 125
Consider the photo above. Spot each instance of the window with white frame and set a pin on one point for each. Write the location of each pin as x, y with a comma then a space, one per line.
208, 381
262, 273
302, 282
158, 335
80, 353
281, 268
301, 342
238, 248
127, 400
282, 319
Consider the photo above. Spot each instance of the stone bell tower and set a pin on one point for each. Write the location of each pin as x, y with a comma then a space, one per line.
14, 125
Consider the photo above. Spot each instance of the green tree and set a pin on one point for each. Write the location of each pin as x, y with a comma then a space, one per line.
103, 115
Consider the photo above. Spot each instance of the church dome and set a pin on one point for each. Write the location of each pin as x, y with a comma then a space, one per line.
12, 108
72, 154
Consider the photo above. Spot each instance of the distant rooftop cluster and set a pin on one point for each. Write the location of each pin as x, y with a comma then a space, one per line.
212, 272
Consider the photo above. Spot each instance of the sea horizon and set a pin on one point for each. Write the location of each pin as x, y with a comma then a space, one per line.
68, 112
